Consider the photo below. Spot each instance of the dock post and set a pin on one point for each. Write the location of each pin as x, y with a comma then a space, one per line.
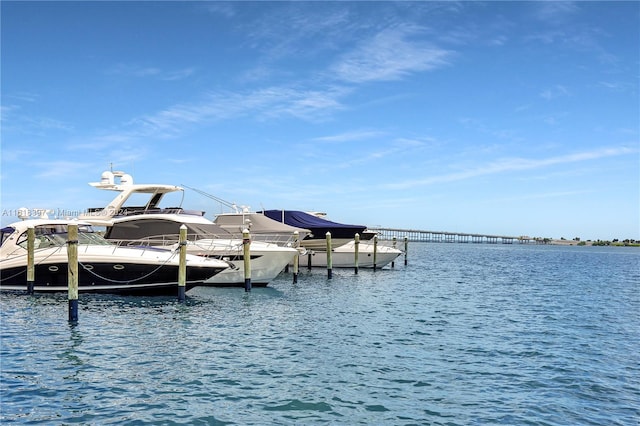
296, 258
356, 247
182, 267
309, 259
72, 271
329, 263
375, 251
246, 245
393, 262
406, 246
31, 271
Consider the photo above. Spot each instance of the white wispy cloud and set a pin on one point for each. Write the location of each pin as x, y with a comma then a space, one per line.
390, 55
554, 92
386, 151
27, 97
499, 40
133, 70
224, 9
7, 110
554, 11
13, 119
355, 135
370, 156
481, 127
616, 86
271, 102
297, 30
306, 104
542, 195
18, 154
138, 71
459, 36
55, 169
177, 74
511, 165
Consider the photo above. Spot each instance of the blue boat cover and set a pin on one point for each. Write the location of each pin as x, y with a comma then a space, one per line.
318, 226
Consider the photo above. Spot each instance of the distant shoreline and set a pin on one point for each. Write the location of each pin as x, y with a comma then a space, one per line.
591, 243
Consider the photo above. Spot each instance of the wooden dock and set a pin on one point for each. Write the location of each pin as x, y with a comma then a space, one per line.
449, 237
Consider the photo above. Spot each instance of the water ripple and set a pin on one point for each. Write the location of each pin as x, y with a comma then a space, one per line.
482, 334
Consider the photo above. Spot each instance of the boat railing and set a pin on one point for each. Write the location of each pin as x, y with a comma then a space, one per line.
383, 243
285, 240
199, 242
133, 211
141, 210
38, 252
195, 243
47, 245
282, 240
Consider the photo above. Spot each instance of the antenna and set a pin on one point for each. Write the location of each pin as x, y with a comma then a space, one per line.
214, 198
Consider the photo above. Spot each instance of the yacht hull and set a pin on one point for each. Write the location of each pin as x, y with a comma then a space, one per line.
104, 269
267, 262
344, 256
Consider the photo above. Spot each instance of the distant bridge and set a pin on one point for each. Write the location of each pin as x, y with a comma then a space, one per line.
449, 237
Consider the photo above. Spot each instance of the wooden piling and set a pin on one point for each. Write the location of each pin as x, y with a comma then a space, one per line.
406, 246
329, 262
182, 267
31, 270
296, 258
393, 262
72, 262
375, 251
246, 245
356, 252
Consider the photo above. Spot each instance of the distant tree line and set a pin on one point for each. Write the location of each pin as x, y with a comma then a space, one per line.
616, 242
629, 242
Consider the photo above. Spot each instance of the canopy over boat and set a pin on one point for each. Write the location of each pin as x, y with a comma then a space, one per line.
256, 223
318, 226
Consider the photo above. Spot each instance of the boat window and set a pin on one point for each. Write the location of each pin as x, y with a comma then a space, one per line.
57, 235
142, 229
155, 228
92, 238
152, 200
42, 240
5, 233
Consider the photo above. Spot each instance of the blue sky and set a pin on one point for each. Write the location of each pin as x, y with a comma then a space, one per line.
509, 118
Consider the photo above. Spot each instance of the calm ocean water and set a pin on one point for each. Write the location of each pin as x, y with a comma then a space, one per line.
463, 335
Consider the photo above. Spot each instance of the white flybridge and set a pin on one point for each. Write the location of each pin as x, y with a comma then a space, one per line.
126, 189
148, 223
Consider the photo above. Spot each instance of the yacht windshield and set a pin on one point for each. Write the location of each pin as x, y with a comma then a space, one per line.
57, 235
5, 233
146, 227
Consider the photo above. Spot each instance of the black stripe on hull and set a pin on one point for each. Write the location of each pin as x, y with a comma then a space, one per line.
124, 278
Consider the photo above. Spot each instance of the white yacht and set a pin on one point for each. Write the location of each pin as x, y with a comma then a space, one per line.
343, 256
261, 227
148, 223
275, 225
103, 267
